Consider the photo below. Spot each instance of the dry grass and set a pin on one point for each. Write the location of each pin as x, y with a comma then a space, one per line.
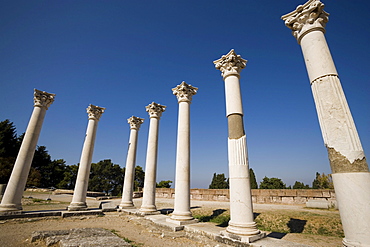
323, 222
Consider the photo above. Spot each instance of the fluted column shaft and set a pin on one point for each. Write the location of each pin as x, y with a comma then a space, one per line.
184, 93
148, 203
13, 194
241, 209
82, 181
350, 170
128, 184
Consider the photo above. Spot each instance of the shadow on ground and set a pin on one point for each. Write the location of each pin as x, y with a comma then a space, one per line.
296, 225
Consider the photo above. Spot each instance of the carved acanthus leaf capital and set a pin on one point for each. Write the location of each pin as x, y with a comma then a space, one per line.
184, 92
230, 64
306, 18
42, 98
155, 110
135, 122
95, 112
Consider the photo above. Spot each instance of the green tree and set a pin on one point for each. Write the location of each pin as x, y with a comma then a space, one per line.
253, 180
322, 181
8, 139
219, 182
68, 178
164, 184
41, 160
139, 178
272, 183
299, 185
8, 149
106, 177
6, 167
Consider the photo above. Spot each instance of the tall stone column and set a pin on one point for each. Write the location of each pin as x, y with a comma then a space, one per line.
241, 209
13, 194
128, 184
79, 195
350, 170
148, 204
182, 214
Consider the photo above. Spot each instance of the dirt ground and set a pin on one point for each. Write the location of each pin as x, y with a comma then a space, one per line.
17, 232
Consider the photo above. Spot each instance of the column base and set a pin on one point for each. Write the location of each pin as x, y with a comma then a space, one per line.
246, 229
10, 207
242, 238
120, 207
148, 210
182, 222
77, 206
181, 216
126, 205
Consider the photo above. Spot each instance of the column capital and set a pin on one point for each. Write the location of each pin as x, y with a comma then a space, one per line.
42, 98
135, 122
184, 92
306, 18
155, 110
230, 64
95, 112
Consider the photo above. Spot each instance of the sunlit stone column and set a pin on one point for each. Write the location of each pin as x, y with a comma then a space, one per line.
128, 184
148, 205
13, 194
181, 214
82, 181
241, 221
350, 170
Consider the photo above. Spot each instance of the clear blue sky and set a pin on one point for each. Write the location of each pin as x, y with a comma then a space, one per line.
123, 55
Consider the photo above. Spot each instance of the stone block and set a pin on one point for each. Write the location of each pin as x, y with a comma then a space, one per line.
318, 204
300, 200
276, 193
314, 193
264, 192
326, 193
303, 193
287, 199
290, 192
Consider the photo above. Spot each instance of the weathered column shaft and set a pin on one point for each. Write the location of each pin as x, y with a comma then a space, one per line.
82, 181
350, 170
241, 209
148, 204
182, 182
83, 174
128, 185
184, 93
17, 182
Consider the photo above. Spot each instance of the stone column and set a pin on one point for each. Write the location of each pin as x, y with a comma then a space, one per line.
128, 184
350, 170
13, 194
241, 209
182, 214
79, 195
148, 205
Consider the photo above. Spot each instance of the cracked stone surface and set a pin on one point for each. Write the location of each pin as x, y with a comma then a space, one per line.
79, 237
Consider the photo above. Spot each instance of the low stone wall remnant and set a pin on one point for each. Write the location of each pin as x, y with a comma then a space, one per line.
270, 196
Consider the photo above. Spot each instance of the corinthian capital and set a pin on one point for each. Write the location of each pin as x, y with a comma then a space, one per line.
306, 18
230, 64
155, 110
42, 98
95, 112
184, 92
135, 122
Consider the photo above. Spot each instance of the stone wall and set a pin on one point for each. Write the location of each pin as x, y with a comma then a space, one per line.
287, 196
